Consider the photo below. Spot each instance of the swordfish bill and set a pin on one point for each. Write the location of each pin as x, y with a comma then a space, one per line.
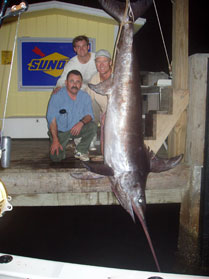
127, 161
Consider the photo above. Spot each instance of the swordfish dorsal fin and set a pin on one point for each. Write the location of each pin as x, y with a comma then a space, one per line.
158, 164
116, 8
102, 88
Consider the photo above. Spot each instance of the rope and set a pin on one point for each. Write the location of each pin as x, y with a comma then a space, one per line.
166, 53
120, 29
9, 79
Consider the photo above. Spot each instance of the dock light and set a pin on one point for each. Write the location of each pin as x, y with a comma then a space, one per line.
15, 10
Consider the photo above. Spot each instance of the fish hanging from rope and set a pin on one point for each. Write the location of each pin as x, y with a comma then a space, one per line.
127, 161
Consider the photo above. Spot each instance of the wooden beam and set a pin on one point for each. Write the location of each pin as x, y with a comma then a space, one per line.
190, 206
177, 138
57, 187
180, 44
197, 109
94, 198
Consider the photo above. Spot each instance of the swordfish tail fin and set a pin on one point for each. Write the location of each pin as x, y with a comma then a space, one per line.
140, 7
116, 8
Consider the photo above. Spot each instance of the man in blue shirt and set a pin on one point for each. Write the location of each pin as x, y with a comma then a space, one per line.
70, 116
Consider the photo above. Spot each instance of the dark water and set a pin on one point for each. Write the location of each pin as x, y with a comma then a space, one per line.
95, 235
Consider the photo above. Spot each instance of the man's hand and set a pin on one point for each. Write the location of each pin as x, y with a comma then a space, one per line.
55, 146
55, 90
75, 131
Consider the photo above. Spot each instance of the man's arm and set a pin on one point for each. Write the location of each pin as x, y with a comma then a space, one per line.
75, 131
55, 146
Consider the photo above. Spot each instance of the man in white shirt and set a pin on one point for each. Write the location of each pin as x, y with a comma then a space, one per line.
104, 70
84, 62
99, 102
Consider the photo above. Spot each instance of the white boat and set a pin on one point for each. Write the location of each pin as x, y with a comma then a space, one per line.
30, 268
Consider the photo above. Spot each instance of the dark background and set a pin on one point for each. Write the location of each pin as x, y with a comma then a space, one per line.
93, 235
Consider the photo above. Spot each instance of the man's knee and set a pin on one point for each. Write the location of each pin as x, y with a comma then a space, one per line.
57, 158
92, 126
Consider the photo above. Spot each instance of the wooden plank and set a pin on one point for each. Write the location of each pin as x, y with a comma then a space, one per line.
64, 199
197, 109
56, 187
60, 181
180, 52
188, 242
93, 198
180, 44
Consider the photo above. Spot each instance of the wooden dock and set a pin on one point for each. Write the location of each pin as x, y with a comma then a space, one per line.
34, 180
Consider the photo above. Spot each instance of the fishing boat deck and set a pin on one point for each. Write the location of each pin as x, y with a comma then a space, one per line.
32, 179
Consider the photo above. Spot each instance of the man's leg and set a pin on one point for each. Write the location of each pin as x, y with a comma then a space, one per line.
102, 121
63, 137
87, 133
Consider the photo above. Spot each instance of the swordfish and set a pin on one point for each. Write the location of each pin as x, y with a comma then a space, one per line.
127, 161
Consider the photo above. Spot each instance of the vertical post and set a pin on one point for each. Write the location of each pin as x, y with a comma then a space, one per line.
190, 206
177, 138
204, 199
180, 44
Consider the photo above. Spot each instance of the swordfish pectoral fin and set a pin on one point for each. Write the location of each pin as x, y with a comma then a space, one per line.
100, 169
102, 88
158, 164
86, 175
95, 171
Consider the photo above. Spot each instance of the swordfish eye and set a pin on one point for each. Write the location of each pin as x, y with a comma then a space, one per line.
141, 199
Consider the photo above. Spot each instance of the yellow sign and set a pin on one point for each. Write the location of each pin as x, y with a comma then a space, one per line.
6, 57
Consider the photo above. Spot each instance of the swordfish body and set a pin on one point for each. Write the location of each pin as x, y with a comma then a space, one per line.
127, 161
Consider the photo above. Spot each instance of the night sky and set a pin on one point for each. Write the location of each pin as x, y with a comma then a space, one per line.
149, 43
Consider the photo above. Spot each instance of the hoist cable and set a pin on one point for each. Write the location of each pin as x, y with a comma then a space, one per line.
119, 32
161, 32
9, 79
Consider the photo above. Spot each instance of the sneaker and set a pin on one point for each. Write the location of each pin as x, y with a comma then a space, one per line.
81, 156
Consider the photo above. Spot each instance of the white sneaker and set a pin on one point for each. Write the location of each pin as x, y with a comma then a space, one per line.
81, 156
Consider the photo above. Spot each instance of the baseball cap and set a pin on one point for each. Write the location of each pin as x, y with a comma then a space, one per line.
103, 52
